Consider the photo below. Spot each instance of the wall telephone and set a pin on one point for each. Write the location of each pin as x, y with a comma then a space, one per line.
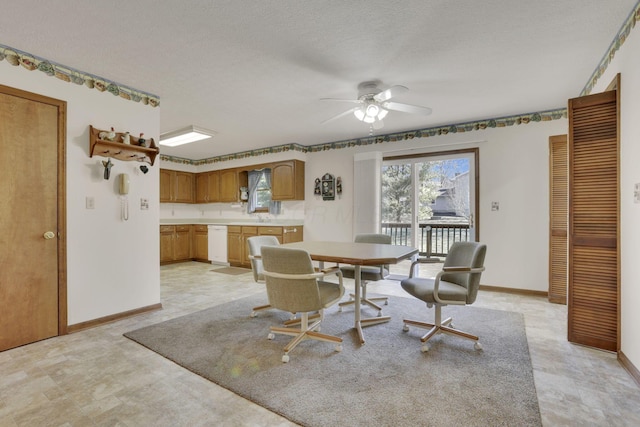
123, 183
123, 188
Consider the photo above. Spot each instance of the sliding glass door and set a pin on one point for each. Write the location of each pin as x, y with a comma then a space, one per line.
429, 202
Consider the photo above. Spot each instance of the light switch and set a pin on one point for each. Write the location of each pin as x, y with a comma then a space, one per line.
90, 202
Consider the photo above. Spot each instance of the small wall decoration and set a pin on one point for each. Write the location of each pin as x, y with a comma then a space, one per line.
339, 185
328, 187
317, 191
107, 168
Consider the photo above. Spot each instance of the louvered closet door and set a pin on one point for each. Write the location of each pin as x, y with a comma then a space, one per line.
593, 221
558, 218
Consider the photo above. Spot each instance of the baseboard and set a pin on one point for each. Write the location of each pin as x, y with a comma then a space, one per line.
626, 364
112, 318
514, 291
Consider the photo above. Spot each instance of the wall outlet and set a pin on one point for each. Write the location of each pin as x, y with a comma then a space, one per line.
636, 193
90, 202
495, 206
144, 204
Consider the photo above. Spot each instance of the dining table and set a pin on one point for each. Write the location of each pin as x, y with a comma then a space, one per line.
357, 255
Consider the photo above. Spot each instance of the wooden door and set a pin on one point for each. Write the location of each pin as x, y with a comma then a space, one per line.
558, 218
594, 269
32, 218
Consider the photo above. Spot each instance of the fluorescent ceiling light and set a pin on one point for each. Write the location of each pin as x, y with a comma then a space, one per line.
185, 136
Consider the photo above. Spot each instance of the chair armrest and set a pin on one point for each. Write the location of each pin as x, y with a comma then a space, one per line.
462, 269
317, 275
436, 284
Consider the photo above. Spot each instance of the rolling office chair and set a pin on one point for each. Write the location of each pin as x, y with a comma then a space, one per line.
456, 284
294, 285
255, 243
368, 273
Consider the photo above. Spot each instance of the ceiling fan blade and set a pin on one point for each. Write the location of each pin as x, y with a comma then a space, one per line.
407, 108
390, 93
345, 113
352, 101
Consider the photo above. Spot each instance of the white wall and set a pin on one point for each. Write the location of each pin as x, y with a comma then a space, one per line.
112, 265
514, 171
627, 63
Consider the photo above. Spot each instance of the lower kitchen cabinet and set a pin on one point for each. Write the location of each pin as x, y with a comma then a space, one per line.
200, 246
175, 243
238, 249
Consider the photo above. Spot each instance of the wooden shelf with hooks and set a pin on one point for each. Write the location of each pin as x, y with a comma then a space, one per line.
119, 150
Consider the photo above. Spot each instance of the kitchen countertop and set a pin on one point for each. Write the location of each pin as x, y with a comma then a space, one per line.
221, 221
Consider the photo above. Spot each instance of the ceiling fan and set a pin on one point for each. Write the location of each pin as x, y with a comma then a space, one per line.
374, 104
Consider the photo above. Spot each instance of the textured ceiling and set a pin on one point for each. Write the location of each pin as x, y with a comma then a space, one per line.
254, 71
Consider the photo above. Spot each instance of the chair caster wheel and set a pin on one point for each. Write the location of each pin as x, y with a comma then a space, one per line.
386, 302
379, 314
338, 348
405, 328
271, 336
339, 309
285, 358
477, 345
424, 348
253, 314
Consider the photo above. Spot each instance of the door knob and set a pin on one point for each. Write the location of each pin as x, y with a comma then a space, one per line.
49, 235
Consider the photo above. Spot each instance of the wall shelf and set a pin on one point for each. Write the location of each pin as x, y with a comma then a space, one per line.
121, 151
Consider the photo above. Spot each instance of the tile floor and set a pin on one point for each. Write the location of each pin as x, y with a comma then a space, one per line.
97, 377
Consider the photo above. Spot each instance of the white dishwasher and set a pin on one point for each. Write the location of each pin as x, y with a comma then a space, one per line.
218, 244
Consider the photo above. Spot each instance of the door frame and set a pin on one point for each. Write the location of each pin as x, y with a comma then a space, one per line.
475, 152
62, 195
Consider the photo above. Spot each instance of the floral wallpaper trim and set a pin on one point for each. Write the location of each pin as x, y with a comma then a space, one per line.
31, 62
501, 122
615, 45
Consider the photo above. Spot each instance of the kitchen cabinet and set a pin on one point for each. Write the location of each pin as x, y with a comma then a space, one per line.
200, 243
175, 243
237, 247
234, 244
287, 180
229, 189
176, 186
208, 187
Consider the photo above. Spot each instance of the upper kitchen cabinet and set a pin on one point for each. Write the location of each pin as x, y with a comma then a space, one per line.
230, 181
176, 186
287, 180
208, 187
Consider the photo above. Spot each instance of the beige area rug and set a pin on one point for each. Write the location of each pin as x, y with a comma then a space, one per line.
386, 382
233, 271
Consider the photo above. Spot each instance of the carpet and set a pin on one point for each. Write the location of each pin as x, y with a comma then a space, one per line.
233, 271
386, 382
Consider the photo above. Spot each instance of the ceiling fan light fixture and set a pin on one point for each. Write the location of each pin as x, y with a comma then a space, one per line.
359, 113
185, 136
382, 114
372, 110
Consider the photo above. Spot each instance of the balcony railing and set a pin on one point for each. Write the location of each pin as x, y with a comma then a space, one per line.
434, 239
